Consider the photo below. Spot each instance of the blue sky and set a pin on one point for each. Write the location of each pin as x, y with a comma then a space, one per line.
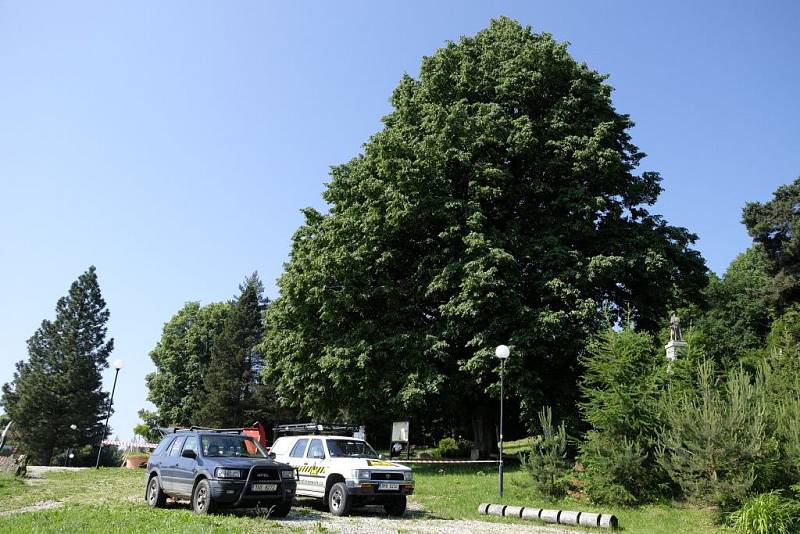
172, 144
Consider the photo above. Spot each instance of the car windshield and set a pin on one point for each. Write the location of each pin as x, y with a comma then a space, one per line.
231, 445
350, 448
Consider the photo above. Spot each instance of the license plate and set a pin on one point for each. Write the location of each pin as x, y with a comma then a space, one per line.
264, 487
388, 486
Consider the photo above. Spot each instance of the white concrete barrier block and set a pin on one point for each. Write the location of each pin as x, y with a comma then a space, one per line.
513, 511
531, 513
561, 517
550, 516
589, 519
568, 518
496, 509
608, 521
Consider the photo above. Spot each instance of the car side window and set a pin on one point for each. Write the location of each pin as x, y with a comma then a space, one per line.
163, 446
191, 444
175, 450
299, 448
316, 450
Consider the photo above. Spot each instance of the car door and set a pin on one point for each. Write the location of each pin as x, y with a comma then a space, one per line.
315, 462
169, 466
157, 457
297, 460
186, 469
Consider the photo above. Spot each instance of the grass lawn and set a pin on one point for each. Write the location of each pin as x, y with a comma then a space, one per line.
455, 492
112, 500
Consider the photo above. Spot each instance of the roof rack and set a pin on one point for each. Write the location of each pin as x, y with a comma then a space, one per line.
171, 430
175, 430
318, 428
221, 430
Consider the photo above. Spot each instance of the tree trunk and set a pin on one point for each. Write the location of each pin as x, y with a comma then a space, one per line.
483, 433
48, 456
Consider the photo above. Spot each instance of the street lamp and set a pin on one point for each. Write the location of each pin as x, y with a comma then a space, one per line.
117, 366
72, 427
502, 352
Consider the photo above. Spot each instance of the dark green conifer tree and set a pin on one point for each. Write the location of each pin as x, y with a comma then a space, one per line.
232, 382
60, 383
622, 388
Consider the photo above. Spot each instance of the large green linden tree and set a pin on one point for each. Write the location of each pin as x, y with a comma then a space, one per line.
499, 204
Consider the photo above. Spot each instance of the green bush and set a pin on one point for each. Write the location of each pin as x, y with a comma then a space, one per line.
768, 513
547, 462
464, 447
448, 448
452, 448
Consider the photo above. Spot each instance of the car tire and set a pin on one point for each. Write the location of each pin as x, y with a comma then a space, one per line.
280, 510
339, 500
202, 500
156, 497
395, 507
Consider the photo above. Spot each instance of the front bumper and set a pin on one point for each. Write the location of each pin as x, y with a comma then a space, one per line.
230, 492
371, 488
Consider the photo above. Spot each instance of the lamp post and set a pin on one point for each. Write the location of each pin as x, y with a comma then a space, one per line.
117, 366
502, 352
70, 456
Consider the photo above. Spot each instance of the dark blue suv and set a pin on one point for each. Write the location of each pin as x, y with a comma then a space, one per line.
215, 468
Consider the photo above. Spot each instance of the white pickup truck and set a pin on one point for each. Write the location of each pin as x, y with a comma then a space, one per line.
345, 472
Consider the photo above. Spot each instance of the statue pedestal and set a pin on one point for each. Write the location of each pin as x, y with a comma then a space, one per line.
674, 349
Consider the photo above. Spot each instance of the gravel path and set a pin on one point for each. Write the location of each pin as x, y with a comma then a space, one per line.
36, 471
372, 520
39, 506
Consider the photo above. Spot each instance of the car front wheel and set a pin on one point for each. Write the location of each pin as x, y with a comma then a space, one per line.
338, 500
280, 510
156, 498
202, 501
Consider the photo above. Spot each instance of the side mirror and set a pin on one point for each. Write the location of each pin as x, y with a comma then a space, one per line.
189, 453
271, 455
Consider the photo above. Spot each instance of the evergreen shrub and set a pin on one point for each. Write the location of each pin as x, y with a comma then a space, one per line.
547, 462
621, 388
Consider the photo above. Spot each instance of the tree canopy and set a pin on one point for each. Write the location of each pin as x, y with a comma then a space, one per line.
232, 379
500, 203
60, 383
738, 314
181, 358
208, 367
775, 226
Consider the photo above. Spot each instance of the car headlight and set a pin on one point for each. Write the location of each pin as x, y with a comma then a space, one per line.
361, 474
287, 473
408, 475
228, 473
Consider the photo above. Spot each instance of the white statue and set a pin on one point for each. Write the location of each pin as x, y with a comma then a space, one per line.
675, 328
